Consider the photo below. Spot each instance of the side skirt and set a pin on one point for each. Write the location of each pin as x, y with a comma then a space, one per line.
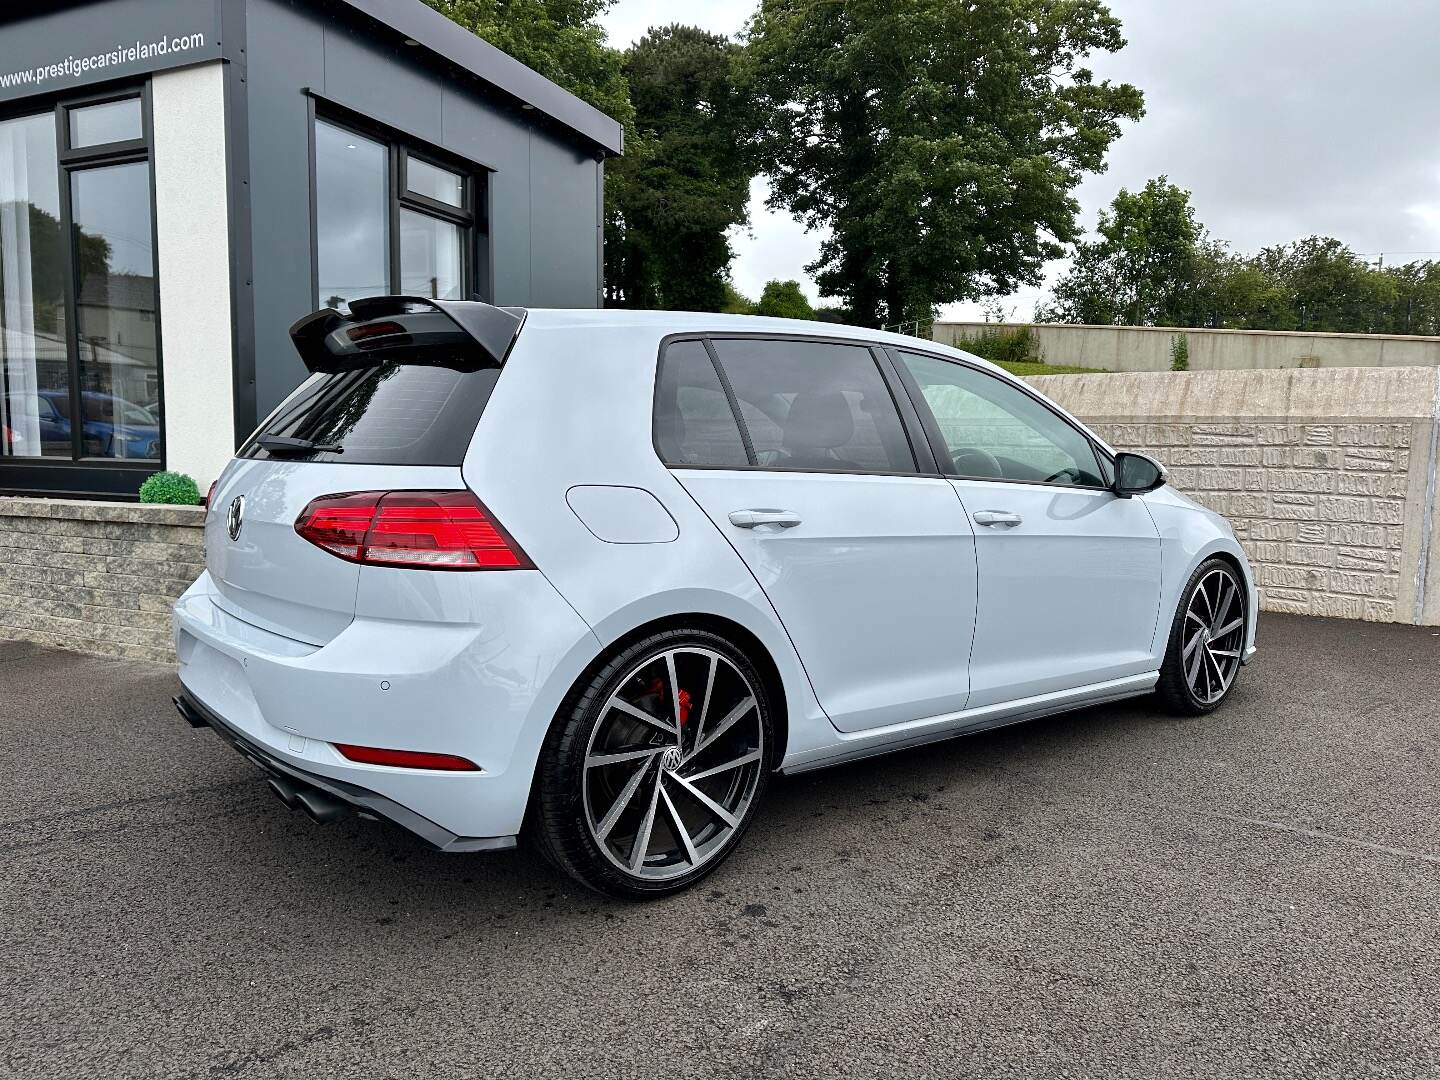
851, 746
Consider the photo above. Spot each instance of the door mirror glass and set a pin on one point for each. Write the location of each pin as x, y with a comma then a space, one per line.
1136, 474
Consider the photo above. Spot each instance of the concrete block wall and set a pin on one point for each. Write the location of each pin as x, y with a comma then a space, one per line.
1328, 476
1147, 348
96, 577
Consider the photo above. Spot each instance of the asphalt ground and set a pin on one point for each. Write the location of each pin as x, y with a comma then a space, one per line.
1111, 893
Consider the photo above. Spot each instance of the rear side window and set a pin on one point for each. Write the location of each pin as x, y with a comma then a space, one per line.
388, 414
693, 421
815, 405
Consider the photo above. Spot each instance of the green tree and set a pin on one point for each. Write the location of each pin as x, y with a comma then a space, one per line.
736, 302
1232, 292
1328, 286
46, 242
686, 180
784, 300
1142, 268
938, 142
1416, 308
558, 38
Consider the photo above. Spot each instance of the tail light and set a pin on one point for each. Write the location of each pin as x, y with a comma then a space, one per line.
426, 530
210, 495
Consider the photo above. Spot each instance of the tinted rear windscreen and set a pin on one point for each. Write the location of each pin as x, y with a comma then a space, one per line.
391, 414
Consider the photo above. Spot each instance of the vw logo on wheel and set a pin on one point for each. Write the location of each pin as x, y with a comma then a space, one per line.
235, 517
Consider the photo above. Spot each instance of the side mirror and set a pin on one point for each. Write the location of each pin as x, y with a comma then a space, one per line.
1135, 474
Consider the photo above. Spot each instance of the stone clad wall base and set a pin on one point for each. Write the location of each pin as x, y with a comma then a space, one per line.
1327, 475
96, 577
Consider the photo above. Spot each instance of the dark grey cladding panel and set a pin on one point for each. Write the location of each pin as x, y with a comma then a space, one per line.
285, 53
380, 81
437, 34
542, 182
501, 142
73, 46
563, 270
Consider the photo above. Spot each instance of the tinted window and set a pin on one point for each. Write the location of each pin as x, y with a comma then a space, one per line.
33, 359
431, 263
119, 364
393, 414
693, 421
352, 215
815, 405
434, 182
997, 432
114, 121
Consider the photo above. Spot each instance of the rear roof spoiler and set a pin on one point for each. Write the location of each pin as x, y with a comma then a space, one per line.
463, 334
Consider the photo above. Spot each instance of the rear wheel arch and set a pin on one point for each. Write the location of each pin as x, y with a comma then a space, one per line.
742, 638
561, 820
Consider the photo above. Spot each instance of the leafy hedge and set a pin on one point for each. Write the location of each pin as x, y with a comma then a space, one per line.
170, 487
1003, 345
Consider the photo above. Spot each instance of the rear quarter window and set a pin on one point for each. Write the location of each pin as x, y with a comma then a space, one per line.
389, 414
694, 424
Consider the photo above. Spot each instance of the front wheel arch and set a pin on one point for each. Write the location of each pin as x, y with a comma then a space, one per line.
1173, 688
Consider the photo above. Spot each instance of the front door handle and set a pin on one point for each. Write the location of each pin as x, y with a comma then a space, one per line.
996, 517
749, 519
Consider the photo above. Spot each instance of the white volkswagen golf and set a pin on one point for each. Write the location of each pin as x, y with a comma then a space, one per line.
590, 577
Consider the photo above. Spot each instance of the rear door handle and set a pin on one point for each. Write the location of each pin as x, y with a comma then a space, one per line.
996, 517
749, 519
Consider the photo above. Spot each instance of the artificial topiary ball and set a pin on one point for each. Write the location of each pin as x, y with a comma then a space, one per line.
170, 487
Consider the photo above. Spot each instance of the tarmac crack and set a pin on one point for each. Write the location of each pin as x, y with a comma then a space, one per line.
119, 804
1316, 834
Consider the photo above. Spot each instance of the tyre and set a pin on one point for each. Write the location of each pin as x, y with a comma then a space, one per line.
1207, 638
655, 765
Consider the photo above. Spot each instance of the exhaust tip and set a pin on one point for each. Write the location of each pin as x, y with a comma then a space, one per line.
191, 716
321, 808
284, 790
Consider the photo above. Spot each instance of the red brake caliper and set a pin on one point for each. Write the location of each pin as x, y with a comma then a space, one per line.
658, 688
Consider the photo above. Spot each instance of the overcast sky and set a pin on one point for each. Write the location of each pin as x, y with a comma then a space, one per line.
1283, 118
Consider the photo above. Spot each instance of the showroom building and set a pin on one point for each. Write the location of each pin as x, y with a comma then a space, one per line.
180, 180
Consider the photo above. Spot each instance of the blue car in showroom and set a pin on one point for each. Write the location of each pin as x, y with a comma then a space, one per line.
112, 426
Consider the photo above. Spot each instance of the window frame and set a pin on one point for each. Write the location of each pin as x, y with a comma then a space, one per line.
472, 217
936, 437
79, 475
920, 450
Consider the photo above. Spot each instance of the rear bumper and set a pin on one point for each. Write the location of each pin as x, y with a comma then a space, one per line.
293, 785
484, 689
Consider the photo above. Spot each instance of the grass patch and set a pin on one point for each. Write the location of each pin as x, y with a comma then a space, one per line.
1027, 367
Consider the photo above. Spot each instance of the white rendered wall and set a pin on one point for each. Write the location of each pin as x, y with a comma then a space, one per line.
193, 262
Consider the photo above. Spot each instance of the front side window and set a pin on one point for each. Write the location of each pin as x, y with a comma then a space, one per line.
815, 405
994, 431
79, 374
387, 221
